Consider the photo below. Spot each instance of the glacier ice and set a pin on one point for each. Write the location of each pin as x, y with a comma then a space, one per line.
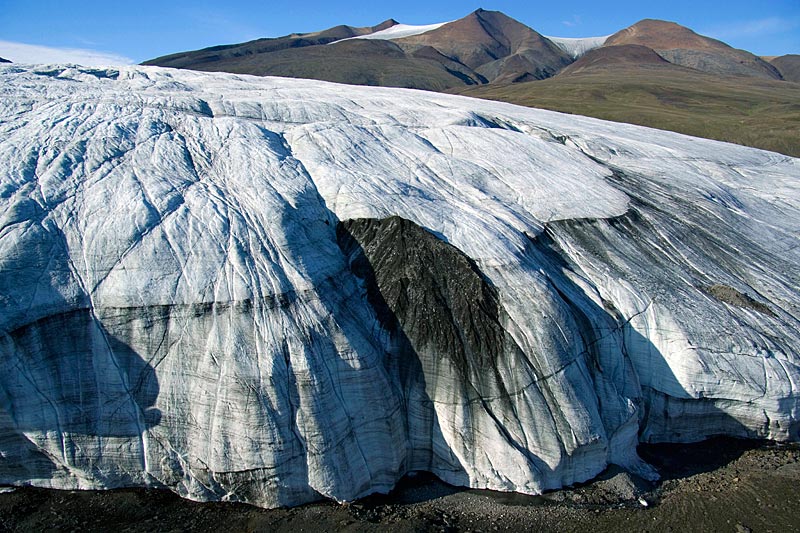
577, 47
398, 31
273, 290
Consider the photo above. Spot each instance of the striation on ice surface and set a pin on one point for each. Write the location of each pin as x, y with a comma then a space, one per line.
273, 290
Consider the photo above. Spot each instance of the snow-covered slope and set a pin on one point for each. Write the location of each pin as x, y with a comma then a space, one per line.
398, 31
206, 287
576, 47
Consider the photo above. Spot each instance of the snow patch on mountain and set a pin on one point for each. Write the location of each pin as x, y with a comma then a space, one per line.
398, 31
576, 47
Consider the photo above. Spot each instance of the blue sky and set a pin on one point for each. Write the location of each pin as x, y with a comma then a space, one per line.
136, 31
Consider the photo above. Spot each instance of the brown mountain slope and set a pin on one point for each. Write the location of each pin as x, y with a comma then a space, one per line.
359, 62
482, 47
788, 66
198, 59
684, 47
664, 35
494, 45
749, 111
626, 56
326, 56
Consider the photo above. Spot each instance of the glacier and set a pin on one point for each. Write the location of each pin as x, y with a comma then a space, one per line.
272, 290
578, 46
397, 31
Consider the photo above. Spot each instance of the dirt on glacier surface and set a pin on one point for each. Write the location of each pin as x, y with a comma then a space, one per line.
717, 485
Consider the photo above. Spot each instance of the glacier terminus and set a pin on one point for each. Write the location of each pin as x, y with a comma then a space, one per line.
272, 291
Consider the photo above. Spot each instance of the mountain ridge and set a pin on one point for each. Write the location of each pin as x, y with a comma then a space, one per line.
788, 65
482, 47
622, 55
684, 47
496, 46
483, 37
265, 45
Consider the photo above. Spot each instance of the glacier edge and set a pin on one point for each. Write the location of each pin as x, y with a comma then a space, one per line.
182, 308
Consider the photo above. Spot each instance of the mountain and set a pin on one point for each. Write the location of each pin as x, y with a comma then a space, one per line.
272, 291
788, 66
217, 54
2, 60
684, 47
496, 46
331, 55
620, 58
379, 62
482, 47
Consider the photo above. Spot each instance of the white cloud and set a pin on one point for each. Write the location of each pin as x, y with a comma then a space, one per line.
752, 28
31, 53
575, 21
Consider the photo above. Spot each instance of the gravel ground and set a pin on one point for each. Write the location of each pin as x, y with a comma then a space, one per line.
718, 485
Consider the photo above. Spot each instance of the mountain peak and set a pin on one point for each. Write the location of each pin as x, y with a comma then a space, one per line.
682, 46
498, 47
664, 35
388, 23
483, 14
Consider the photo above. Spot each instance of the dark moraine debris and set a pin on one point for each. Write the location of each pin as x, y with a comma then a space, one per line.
441, 316
731, 296
446, 343
425, 291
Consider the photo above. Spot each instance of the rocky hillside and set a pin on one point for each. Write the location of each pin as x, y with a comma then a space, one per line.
495, 46
788, 66
682, 46
483, 47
